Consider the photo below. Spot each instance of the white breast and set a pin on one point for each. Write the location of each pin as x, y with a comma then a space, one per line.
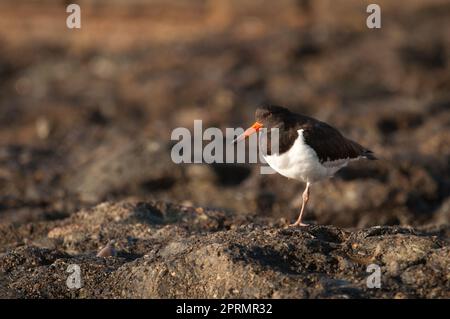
301, 162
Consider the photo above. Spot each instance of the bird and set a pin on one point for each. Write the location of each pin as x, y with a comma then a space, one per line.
307, 149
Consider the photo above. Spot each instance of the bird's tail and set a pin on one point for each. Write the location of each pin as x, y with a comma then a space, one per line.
369, 155
361, 151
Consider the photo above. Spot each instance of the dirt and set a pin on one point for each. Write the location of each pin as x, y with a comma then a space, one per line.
85, 123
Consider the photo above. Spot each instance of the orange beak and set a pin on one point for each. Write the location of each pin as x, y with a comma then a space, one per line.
251, 130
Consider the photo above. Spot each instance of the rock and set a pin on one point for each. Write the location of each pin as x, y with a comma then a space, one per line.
170, 251
442, 216
124, 167
108, 250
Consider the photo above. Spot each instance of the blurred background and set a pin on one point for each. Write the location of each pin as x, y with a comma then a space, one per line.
86, 115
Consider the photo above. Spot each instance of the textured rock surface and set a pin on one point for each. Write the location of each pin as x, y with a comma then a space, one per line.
170, 251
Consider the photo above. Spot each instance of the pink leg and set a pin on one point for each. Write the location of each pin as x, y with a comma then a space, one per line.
305, 198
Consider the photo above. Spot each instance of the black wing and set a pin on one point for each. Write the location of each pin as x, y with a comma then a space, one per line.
330, 144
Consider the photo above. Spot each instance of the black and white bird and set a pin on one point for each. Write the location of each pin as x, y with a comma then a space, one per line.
308, 149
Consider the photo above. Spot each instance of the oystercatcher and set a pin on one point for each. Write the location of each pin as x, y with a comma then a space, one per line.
308, 149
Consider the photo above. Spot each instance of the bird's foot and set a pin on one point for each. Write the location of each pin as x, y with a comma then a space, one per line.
298, 224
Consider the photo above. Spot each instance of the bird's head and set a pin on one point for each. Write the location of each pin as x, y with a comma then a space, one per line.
267, 116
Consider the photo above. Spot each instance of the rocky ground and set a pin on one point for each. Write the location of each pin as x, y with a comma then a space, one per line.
85, 123
160, 250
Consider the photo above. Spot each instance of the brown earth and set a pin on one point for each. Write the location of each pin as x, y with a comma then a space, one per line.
86, 117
